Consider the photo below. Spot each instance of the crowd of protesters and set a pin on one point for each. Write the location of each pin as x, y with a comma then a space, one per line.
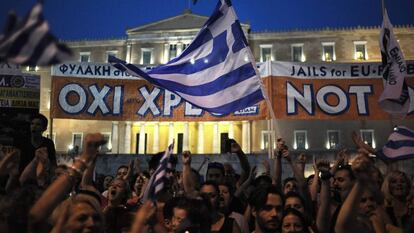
344, 195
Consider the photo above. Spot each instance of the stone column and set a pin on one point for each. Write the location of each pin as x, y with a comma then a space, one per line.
127, 140
231, 129
170, 133
186, 137
115, 137
216, 148
141, 149
128, 54
246, 136
179, 48
156, 142
166, 52
200, 138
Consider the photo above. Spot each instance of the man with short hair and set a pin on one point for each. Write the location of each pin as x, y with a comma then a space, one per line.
267, 208
215, 172
38, 125
344, 180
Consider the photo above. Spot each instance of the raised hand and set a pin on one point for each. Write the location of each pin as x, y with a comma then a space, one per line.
11, 160
186, 158
301, 158
91, 145
252, 174
362, 167
323, 166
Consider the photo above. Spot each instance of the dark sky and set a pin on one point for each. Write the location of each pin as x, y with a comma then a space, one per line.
82, 19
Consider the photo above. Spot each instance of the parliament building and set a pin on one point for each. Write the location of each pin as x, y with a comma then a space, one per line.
158, 42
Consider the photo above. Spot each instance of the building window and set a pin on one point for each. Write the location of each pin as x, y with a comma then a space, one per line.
32, 68
107, 147
223, 138
328, 51
297, 53
111, 53
332, 139
146, 56
84, 56
301, 140
266, 52
185, 46
76, 145
173, 51
266, 138
367, 136
360, 50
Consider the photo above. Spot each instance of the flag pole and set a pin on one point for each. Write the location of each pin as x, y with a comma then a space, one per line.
383, 7
266, 97
50, 116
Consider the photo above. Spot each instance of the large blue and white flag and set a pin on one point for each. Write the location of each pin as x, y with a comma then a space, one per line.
158, 179
30, 42
216, 72
400, 145
396, 97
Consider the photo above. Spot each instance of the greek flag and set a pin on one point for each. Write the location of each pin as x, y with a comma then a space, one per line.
30, 42
400, 145
158, 178
216, 72
396, 97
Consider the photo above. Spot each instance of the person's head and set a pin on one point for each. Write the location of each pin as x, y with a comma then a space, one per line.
267, 208
215, 172
118, 191
228, 169
80, 213
396, 185
377, 177
290, 184
210, 190
38, 124
121, 171
293, 222
226, 195
139, 182
309, 181
344, 180
154, 162
294, 201
262, 180
175, 211
369, 201
107, 181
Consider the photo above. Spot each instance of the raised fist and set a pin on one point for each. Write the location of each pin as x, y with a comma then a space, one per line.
186, 157
323, 165
362, 167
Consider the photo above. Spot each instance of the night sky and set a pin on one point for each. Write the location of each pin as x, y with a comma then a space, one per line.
99, 19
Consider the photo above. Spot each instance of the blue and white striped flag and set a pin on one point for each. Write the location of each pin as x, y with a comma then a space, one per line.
30, 42
157, 181
216, 72
400, 145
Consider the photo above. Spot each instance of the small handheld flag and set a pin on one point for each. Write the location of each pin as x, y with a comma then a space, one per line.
157, 181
